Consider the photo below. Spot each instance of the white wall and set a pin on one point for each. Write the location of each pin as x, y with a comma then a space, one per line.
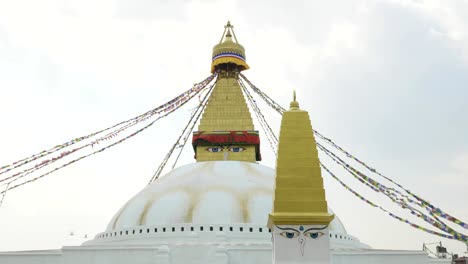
207, 253
383, 257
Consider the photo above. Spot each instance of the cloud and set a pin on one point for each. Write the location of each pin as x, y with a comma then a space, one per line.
460, 163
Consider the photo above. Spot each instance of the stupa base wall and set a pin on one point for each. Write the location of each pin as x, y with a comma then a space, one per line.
215, 253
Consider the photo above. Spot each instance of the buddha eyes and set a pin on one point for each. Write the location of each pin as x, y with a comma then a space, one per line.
289, 234
220, 149
236, 149
214, 149
314, 235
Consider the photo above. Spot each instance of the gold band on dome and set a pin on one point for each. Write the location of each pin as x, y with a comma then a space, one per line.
234, 60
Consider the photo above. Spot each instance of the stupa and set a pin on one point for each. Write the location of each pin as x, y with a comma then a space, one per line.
226, 207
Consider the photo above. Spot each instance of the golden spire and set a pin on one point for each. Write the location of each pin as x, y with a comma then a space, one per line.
299, 196
226, 109
226, 130
294, 105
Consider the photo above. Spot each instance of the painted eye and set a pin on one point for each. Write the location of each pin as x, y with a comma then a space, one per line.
289, 234
314, 235
214, 149
236, 149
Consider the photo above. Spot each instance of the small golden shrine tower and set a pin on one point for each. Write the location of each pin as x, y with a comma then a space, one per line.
299, 193
300, 218
226, 130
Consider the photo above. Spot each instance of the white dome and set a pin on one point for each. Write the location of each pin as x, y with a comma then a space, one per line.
212, 203
216, 192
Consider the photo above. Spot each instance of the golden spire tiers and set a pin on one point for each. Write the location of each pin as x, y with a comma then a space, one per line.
226, 130
299, 196
228, 53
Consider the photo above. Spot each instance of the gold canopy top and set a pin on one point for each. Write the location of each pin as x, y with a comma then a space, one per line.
228, 50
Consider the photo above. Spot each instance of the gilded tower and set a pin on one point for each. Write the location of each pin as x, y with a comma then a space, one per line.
226, 130
299, 220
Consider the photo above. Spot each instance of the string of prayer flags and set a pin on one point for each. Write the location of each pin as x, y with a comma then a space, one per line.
389, 213
164, 110
392, 193
180, 99
418, 200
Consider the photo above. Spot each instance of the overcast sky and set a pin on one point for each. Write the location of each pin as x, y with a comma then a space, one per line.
384, 79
